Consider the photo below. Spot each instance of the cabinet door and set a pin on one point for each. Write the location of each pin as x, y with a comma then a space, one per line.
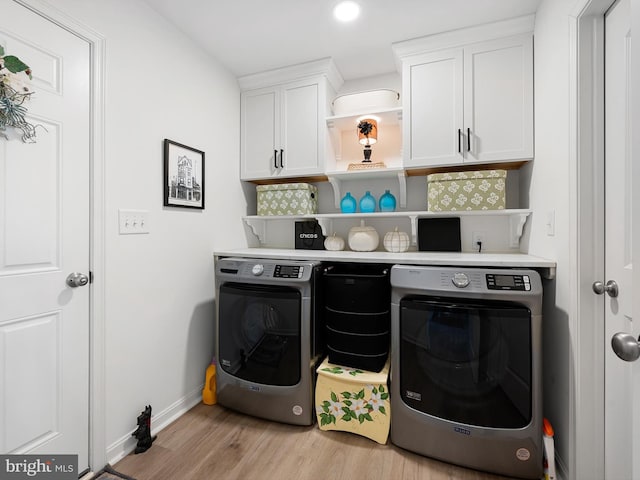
300, 129
498, 94
259, 133
433, 116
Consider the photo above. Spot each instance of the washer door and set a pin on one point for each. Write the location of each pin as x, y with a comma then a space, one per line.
468, 362
259, 333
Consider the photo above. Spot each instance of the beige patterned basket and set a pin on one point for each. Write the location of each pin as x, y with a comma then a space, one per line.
287, 199
476, 190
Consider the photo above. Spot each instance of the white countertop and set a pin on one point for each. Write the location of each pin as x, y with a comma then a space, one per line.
504, 260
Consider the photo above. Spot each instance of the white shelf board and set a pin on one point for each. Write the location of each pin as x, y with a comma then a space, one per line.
392, 116
517, 220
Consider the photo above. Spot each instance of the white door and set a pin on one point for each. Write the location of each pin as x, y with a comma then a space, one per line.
622, 406
303, 152
260, 134
498, 100
435, 111
44, 236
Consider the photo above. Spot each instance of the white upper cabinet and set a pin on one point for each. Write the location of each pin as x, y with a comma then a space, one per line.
498, 100
433, 111
469, 104
283, 129
260, 133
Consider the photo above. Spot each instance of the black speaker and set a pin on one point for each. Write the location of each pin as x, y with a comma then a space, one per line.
439, 234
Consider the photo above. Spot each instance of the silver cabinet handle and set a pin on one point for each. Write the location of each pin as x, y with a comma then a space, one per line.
76, 279
626, 346
611, 288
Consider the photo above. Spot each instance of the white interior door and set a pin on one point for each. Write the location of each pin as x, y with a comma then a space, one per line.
621, 377
44, 236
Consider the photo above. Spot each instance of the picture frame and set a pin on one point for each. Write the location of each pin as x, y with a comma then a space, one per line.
183, 176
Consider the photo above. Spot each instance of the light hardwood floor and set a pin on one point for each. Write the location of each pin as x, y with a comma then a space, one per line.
215, 443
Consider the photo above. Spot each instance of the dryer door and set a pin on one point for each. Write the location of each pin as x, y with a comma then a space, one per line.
467, 361
259, 333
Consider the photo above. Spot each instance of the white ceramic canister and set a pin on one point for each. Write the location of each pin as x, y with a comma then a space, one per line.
363, 238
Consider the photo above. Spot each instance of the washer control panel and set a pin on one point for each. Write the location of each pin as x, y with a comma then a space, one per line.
288, 271
460, 280
257, 269
508, 282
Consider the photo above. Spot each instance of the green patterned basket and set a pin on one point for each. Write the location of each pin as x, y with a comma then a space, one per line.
287, 199
477, 190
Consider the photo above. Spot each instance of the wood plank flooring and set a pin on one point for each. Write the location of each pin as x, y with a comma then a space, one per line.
212, 442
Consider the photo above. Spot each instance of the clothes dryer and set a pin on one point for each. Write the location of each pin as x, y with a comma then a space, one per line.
268, 337
466, 366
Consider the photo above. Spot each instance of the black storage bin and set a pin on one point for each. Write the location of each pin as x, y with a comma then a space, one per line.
357, 314
371, 363
361, 288
354, 322
360, 343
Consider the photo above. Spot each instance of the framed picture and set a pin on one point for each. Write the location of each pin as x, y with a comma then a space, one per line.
183, 176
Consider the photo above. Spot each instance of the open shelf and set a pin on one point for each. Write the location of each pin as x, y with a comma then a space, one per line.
516, 221
337, 178
391, 116
342, 131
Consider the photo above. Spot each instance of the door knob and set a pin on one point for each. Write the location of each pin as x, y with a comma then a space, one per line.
76, 279
626, 346
611, 288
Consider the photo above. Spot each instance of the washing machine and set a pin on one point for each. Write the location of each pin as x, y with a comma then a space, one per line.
269, 337
466, 384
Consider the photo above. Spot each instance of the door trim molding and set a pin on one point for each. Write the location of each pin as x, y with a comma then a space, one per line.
96, 42
586, 158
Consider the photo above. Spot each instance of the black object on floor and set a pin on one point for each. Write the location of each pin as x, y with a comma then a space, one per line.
143, 432
108, 473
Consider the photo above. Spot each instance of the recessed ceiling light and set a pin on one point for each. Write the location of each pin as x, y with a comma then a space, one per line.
346, 11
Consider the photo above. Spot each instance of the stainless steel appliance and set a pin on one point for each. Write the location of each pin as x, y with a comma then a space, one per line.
268, 339
466, 366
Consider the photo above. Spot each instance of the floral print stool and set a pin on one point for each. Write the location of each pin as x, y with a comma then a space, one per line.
353, 400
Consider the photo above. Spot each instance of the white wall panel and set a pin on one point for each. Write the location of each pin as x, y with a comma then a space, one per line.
31, 386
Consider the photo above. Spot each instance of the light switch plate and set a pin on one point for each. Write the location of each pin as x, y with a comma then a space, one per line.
133, 222
551, 223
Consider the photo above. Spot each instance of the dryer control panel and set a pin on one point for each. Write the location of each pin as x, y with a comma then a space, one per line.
508, 282
288, 271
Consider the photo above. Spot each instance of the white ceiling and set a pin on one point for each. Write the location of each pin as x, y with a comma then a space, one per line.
249, 36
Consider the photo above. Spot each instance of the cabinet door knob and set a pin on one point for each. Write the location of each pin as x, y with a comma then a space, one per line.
281, 155
468, 139
275, 158
459, 141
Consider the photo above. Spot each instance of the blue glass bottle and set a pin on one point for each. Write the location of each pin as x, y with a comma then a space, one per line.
348, 204
367, 203
387, 202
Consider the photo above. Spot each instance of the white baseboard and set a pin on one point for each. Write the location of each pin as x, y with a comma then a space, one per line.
561, 470
126, 444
